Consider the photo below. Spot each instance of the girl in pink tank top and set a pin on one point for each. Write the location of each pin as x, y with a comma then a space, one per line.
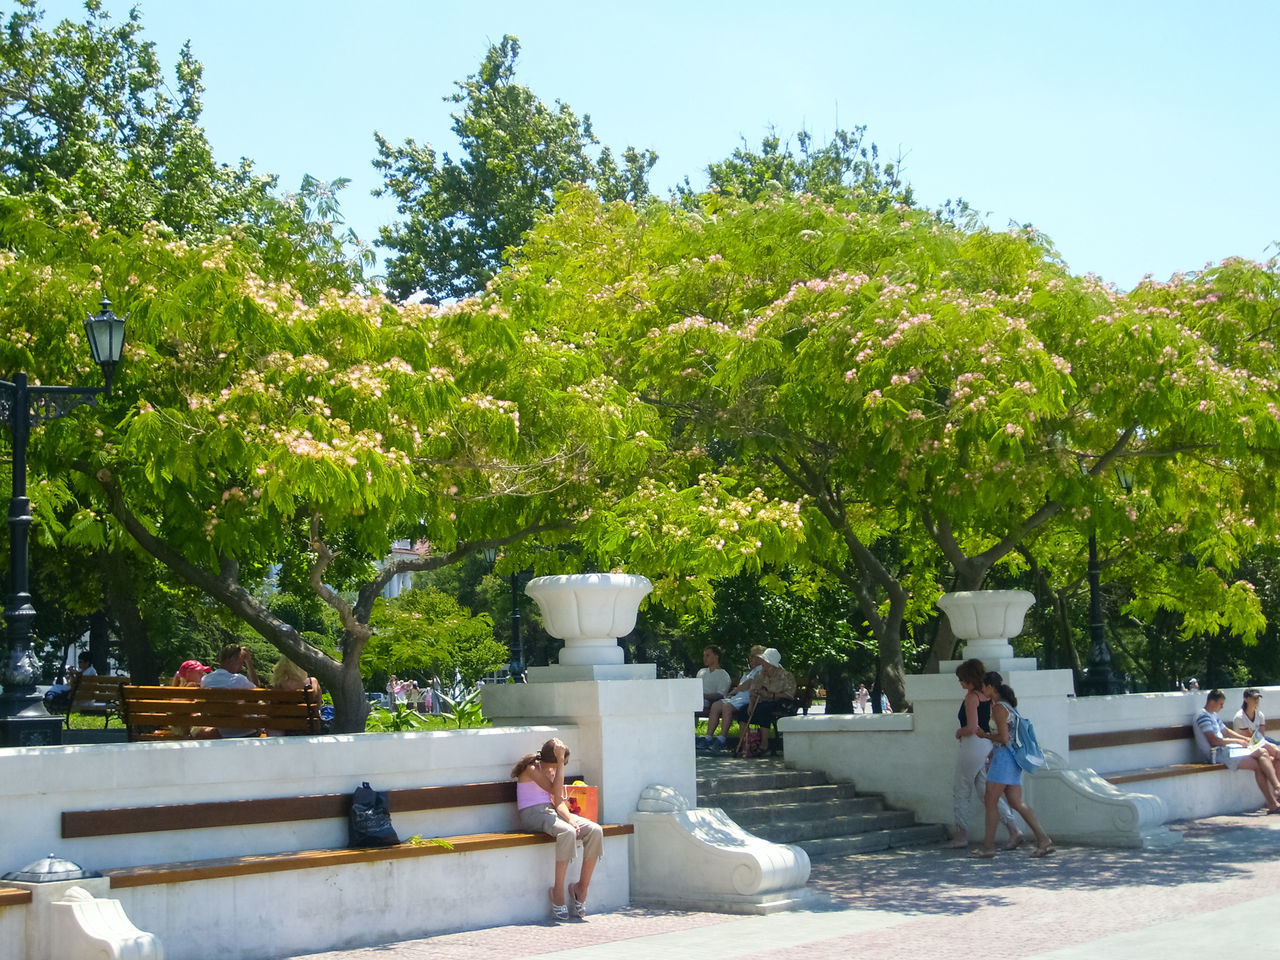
541, 807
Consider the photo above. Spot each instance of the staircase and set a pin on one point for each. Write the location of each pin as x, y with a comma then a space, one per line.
803, 807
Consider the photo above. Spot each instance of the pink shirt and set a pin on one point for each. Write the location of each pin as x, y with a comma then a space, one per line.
529, 794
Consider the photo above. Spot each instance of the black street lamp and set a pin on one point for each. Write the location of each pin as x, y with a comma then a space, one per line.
24, 721
517, 641
1099, 678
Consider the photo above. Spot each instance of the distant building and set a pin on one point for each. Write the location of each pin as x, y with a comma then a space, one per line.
401, 582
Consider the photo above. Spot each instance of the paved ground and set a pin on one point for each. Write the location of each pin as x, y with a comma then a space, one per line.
1218, 891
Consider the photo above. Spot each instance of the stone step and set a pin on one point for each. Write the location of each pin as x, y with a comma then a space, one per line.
827, 819
748, 809
826, 848
843, 825
756, 777
814, 793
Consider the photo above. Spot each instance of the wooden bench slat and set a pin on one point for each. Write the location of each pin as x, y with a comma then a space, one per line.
183, 871
230, 813
214, 716
1161, 773
1124, 738
14, 896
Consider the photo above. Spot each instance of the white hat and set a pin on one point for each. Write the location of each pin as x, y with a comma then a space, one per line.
772, 657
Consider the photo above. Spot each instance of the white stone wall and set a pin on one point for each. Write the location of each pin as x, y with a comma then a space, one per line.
303, 910
13, 923
1137, 711
910, 758
37, 784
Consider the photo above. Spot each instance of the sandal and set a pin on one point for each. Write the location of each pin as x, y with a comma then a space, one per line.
1015, 842
980, 854
579, 908
559, 911
1040, 852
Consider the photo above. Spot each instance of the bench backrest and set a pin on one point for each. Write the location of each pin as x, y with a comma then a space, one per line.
96, 693
151, 712
234, 813
1109, 750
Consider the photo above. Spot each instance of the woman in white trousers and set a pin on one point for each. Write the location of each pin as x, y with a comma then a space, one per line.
973, 756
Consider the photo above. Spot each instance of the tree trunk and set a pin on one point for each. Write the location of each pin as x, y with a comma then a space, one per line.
1070, 654
838, 681
350, 705
100, 640
136, 649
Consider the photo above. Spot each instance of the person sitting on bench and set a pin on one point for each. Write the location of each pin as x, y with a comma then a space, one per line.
59, 695
1250, 719
715, 679
769, 691
1212, 733
233, 659
721, 713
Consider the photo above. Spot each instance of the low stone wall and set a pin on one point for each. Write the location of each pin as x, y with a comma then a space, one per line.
1140, 711
910, 758
13, 921
266, 915
1201, 795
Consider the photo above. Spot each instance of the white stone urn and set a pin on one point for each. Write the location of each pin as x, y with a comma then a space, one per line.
589, 611
986, 620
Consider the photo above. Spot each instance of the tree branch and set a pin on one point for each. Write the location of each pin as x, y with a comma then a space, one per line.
371, 590
357, 631
225, 588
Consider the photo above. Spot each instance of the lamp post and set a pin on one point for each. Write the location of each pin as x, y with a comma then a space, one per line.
23, 719
517, 641
1099, 678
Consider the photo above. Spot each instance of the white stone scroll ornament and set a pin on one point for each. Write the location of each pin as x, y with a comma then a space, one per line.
698, 858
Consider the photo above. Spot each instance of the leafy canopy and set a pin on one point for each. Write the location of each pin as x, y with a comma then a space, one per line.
460, 216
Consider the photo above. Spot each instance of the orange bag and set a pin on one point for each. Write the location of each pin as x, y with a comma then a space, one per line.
583, 801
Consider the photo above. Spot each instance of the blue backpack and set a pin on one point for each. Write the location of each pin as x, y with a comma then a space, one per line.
1022, 741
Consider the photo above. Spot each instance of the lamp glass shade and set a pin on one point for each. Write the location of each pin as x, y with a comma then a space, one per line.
106, 336
490, 556
1125, 477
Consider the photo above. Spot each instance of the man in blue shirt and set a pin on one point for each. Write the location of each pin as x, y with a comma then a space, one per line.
1211, 732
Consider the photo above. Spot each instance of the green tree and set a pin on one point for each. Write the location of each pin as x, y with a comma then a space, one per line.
846, 166
88, 122
927, 396
251, 426
426, 633
460, 216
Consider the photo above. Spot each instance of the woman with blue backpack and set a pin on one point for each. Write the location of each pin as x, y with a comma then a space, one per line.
1008, 759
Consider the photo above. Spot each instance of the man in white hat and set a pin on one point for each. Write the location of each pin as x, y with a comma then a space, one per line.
768, 691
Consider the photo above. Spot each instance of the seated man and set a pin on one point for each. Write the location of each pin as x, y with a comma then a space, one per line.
715, 680
722, 712
59, 695
231, 661
769, 691
1211, 732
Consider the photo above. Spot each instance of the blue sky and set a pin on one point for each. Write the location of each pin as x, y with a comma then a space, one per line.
1142, 137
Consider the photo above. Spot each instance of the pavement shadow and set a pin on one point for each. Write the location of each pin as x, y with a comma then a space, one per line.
934, 880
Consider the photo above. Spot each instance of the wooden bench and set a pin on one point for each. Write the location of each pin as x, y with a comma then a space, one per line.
14, 896
171, 713
235, 813
1125, 738
96, 696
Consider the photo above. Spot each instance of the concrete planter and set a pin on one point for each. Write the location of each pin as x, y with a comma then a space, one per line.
986, 620
589, 611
